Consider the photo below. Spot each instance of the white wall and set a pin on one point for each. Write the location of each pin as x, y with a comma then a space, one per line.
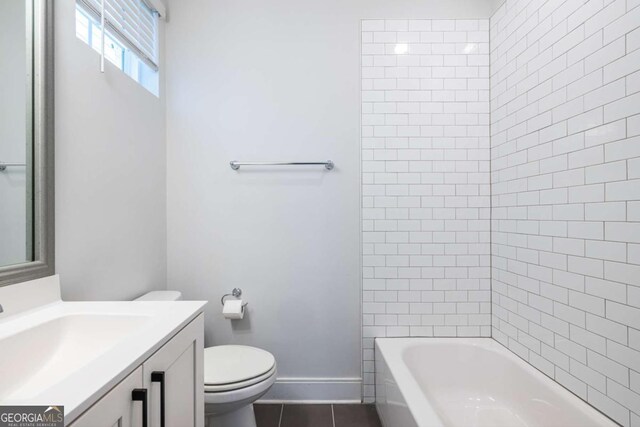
13, 128
425, 175
274, 80
110, 175
566, 201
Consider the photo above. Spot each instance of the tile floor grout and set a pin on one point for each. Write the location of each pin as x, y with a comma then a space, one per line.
333, 416
281, 411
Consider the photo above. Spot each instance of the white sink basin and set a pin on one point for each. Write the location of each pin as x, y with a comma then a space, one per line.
72, 353
51, 351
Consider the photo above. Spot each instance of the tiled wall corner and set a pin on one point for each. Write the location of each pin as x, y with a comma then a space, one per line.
565, 167
425, 176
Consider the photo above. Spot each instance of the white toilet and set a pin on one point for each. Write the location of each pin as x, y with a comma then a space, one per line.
235, 376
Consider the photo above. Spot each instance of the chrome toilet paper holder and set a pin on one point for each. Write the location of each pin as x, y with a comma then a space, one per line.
236, 293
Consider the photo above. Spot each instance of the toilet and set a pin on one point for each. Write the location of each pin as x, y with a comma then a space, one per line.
235, 376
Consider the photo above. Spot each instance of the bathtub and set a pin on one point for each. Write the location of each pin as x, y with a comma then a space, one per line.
469, 382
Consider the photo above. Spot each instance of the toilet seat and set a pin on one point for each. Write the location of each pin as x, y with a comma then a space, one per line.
233, 367
209, 388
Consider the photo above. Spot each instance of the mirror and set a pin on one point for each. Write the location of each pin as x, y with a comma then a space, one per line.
16, 220
26, 140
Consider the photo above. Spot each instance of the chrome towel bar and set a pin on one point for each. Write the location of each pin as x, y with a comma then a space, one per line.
4, 166
235, 165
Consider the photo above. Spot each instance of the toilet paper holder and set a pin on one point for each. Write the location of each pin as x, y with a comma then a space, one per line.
236, 293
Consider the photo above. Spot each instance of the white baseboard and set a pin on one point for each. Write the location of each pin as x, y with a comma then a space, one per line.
314, 390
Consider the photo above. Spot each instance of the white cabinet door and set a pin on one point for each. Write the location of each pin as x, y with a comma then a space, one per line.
178, 368
116, 408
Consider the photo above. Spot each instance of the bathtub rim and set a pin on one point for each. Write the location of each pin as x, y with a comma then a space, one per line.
392, 351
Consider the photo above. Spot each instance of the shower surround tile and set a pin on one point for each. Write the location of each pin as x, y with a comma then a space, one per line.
565, 101
426, 181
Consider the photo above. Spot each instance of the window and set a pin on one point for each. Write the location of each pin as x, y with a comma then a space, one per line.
130, 39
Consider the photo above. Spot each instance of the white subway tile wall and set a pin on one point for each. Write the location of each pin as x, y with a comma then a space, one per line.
565, 169
425, 175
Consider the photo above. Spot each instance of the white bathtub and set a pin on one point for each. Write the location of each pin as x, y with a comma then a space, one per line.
469, 382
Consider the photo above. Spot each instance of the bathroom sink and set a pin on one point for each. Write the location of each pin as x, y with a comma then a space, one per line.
40, 356
70, 354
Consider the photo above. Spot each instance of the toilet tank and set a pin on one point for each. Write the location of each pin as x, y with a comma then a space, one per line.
161, 296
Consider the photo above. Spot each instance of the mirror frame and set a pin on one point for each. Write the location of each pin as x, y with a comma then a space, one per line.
42, 149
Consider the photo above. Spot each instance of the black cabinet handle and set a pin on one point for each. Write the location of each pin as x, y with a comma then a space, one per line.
140, 395
158, 377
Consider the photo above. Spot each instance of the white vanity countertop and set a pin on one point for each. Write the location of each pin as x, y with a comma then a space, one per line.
72, 353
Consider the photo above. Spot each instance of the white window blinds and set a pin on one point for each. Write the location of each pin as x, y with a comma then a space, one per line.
133, 22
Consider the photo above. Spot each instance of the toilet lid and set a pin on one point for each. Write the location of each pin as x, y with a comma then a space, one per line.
228, 364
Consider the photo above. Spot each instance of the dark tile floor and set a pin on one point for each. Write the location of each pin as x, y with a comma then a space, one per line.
316, 416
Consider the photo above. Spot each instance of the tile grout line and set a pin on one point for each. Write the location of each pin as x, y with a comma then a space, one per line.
333, 416
281, 412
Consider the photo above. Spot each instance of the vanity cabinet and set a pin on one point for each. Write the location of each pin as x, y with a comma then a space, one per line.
167, 389
116, 408
175, 380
